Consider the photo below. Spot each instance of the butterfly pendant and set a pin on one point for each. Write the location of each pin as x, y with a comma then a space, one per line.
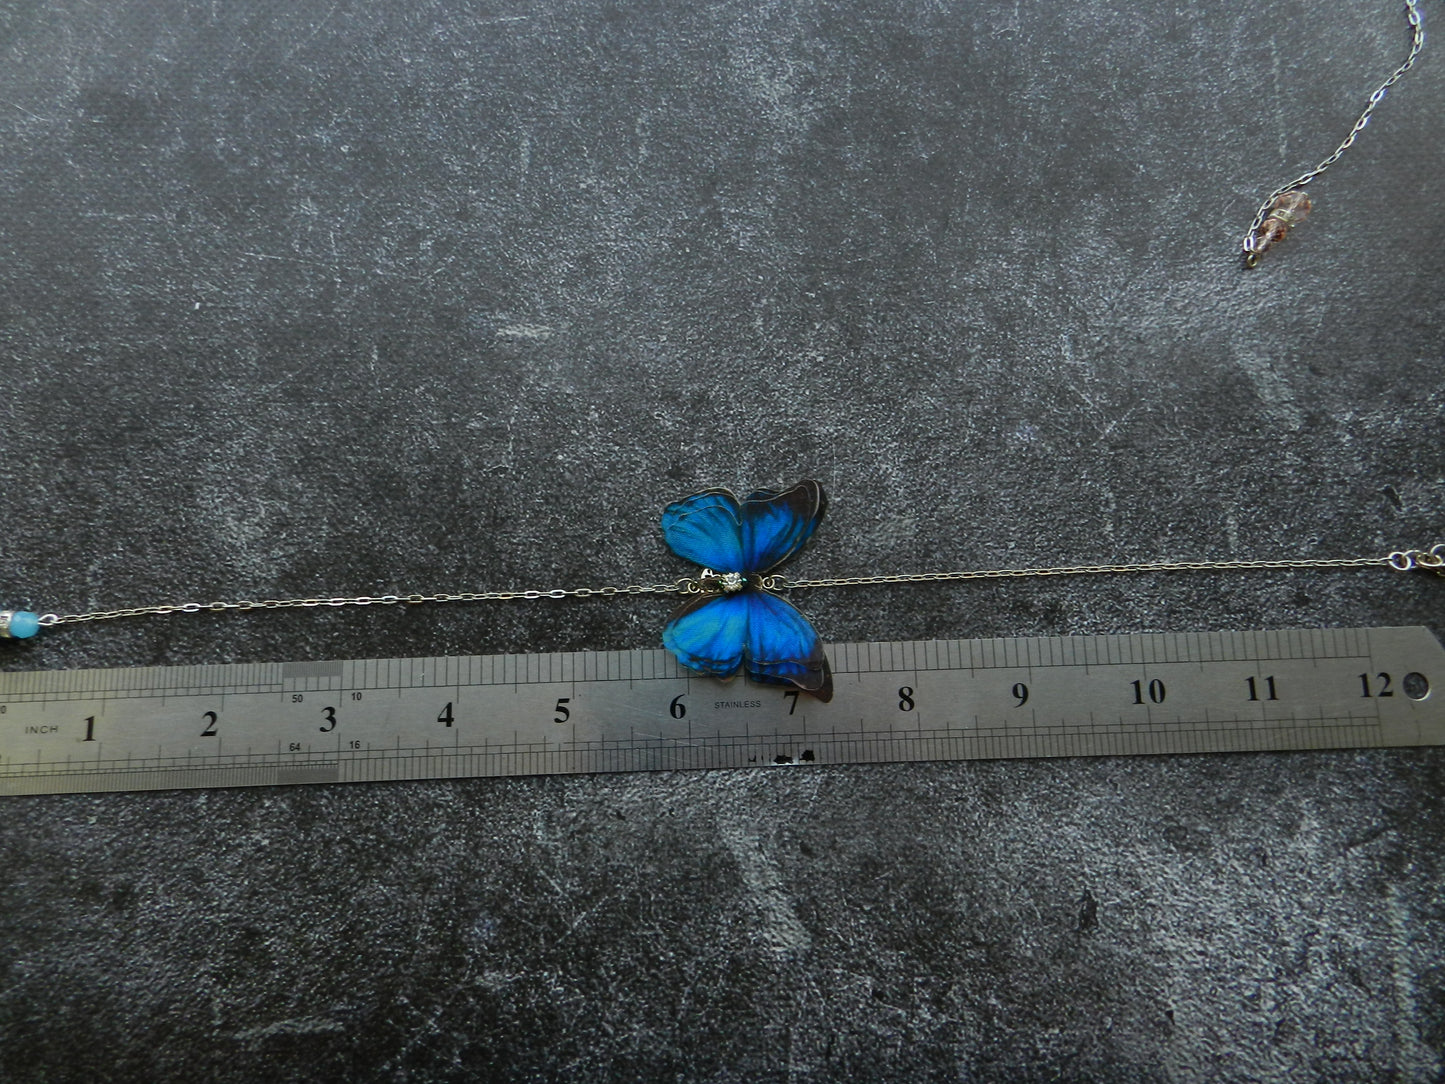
737, 623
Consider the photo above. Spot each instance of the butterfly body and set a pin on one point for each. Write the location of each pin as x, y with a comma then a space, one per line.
736, 623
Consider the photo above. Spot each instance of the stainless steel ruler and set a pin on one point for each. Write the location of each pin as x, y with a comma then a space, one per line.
259, 724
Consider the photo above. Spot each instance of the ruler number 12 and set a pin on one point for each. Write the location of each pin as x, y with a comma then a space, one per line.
1382, 688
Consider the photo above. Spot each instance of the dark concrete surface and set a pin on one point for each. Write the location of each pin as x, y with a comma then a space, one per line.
343, 297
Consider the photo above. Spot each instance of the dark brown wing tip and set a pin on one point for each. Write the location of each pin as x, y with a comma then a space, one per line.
824, 691
822, 498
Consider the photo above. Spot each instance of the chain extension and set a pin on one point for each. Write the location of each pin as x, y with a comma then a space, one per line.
682, 586
1287, 205
1428, 560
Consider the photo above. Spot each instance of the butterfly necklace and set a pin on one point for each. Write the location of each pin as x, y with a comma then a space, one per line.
733, 619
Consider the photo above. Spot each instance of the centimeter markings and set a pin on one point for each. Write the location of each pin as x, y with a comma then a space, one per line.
256, 724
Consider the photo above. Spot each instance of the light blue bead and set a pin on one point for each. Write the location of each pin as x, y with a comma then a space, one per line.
23, 624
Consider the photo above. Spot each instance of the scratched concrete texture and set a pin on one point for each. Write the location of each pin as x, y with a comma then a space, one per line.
344, 297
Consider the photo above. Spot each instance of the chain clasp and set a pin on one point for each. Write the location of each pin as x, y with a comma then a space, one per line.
1430, 560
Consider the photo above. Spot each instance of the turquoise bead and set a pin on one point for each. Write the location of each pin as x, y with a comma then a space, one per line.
22, 624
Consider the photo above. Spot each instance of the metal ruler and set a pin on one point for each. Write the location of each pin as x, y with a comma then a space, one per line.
259, 724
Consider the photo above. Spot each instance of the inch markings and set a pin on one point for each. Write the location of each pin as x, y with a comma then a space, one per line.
257, 724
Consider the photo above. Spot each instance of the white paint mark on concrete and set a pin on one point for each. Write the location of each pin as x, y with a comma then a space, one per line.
308, 1025
1272, 388
1416, 1060
781, 930
1231, 530
1280, 97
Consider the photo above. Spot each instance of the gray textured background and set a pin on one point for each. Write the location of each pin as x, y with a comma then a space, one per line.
346, 297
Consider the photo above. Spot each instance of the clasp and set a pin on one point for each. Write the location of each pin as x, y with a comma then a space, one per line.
1430, 560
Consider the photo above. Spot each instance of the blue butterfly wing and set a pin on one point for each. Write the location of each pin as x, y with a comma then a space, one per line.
718, 634
709, 634
782, 647
706, 529
775, 525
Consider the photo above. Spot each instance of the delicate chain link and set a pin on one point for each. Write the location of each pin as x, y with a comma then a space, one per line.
678, 587
1432, 559
1412, 14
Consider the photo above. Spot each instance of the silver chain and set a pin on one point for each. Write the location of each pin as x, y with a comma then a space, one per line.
1432, 559
677, 587
1412, 14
